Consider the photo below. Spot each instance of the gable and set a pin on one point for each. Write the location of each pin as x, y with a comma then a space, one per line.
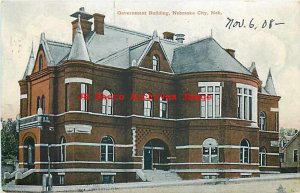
40, 62
156, 50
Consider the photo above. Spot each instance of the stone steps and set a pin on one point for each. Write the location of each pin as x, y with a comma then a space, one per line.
160, 176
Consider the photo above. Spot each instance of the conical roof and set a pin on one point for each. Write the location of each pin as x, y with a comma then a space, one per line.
30, 64
79, 50
269, 87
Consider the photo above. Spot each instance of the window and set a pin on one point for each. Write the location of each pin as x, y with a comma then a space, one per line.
245, 151
38, 103
43, 104
295, 155
262, 156
66, 97
107, 102
62, 150
163, 107
155, 63
210, 103
40, 63
245, 103
29, 152
108, 179
262, 121
210, 151
107, 149
84, 97
148, 104
61, 179
276, 121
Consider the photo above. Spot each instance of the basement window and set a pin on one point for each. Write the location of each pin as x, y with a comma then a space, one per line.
108, 178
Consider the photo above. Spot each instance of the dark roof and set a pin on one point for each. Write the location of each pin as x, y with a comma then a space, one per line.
205, 56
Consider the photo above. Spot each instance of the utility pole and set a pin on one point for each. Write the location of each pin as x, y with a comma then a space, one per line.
49, 186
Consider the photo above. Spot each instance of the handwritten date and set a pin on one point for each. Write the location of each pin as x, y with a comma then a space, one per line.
266, 24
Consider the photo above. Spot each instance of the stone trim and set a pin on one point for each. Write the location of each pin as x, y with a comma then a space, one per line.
78, 80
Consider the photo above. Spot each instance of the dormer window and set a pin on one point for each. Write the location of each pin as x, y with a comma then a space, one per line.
40, 63
155, 63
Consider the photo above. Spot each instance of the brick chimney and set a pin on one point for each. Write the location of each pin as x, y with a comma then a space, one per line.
99, 23
168, 35
86, 25
231, 52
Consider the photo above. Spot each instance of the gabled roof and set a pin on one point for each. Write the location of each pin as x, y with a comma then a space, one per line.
30, 65
79, 50
292, 139
269, 87
205, 55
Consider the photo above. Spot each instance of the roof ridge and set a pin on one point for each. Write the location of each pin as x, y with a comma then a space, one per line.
133, 46
57, 42
292, 139
195, 41
127, 30
110, 55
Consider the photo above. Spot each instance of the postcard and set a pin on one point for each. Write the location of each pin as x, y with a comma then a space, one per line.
140, 96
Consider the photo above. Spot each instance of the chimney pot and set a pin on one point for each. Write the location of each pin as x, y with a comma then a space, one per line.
168, 35
180, 38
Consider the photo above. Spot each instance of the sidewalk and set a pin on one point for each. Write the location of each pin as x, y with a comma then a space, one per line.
81, 188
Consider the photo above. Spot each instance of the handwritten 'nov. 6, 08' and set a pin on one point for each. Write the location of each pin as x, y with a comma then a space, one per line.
251, 24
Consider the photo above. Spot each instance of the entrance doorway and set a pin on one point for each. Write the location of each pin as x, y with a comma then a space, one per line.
155, 155
29, 156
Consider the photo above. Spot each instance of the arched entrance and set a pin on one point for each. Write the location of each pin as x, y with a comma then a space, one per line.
29, 156
155, 155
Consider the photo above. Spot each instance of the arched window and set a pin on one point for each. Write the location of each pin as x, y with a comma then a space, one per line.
262, 156
148, 104
29, 155
262, 121
43, 103
245, 151
155, 63
38, 103
107, 149
163, 107
62, 149
40, 63
210, 151
107, 102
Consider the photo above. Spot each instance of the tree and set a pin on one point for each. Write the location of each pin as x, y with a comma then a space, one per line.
9, 141
287, 131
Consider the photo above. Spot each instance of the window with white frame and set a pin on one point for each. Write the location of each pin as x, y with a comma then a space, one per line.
38, 103
262, 121
210, 99
107, 103
245, 151
163, 107
262, 156
210, 151
155, 63
107, 149
246, 95
148, 105
295, 155
62, 149
84, 97
61, 179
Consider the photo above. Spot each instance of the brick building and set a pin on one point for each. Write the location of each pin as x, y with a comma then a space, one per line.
119, 105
